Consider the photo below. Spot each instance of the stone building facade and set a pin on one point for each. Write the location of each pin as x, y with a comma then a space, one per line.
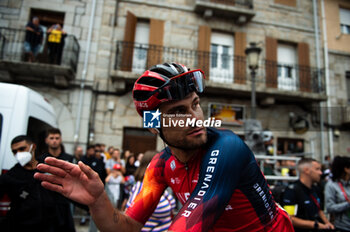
127, 36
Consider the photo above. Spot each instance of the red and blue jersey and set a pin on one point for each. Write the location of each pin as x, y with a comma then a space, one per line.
221, 189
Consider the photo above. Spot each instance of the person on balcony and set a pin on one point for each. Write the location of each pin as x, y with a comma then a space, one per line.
33, 39
55, 43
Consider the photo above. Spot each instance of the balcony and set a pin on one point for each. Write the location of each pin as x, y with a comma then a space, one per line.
241, 11
56, 67
346, 116
225, 74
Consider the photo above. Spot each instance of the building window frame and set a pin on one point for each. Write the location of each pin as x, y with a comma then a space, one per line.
344, 17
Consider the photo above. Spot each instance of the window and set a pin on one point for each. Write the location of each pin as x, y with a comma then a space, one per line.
290, 146
221, 59
141, 47
37, 131
287, 59
344, 20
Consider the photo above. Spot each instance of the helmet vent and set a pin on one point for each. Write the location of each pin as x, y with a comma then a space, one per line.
150, 81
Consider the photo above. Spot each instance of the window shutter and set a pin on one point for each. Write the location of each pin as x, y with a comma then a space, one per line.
240, 58
304, 67
155, 51
271, 62
204, 49
129, 38
292, 3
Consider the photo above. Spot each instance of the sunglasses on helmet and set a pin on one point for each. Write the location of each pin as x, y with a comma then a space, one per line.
178, 87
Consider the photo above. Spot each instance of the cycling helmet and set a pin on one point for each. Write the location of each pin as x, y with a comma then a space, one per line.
165, 82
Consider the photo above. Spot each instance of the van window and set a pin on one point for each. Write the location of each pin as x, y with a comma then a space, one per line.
37, 131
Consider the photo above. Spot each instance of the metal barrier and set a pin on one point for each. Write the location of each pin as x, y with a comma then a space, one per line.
261, 159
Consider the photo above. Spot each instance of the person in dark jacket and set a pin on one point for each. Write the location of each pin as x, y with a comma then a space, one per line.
55, 147
94, 163
33, 208
301, 199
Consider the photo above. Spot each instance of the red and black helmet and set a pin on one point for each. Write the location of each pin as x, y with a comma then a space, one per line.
165, 82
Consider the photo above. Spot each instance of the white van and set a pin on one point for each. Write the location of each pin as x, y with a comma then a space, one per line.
22, 112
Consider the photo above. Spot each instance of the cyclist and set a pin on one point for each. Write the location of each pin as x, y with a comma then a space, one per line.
212, 172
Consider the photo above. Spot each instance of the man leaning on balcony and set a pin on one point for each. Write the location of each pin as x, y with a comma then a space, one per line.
33, 40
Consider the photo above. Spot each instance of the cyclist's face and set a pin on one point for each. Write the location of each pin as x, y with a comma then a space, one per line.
182, 136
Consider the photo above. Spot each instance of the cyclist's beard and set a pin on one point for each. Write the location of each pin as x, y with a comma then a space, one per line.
182, 143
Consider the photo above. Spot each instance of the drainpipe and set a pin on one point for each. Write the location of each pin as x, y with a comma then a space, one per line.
318, 64
328, 103
83, 78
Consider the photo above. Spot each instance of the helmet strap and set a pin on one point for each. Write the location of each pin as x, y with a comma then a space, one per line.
161, 135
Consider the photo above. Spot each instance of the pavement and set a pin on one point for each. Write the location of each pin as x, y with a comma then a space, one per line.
78, 215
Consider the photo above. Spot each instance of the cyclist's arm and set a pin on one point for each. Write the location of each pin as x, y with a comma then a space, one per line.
107, 218
219, 176
152, 189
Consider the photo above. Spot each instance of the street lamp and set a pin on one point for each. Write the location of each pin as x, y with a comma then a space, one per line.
252, 53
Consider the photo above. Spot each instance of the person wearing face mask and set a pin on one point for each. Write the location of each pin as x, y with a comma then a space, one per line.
32, 208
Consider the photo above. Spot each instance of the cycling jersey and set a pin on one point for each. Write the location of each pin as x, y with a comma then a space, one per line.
221, 189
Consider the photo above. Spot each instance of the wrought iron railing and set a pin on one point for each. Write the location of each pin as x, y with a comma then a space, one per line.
221, 68
240, 3
293, 77
13, 44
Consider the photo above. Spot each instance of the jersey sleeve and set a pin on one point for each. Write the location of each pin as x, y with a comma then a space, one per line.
219, 175
152, 189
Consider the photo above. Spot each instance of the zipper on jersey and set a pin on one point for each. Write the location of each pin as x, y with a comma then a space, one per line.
188, 178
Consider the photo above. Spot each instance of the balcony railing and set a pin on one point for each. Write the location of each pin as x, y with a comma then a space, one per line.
293, 77
222, 68
12, 48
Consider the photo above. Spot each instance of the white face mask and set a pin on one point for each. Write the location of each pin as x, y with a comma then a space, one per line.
24, 157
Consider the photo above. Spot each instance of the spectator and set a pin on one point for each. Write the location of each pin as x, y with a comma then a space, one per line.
130, 167
301, 199
55, 43
33, 39
162, 216
138, 159
105, 153
55, 147
78, 153
268, 142
33, 208
110, 150
113, 181
125, 156
94, 163
337, 193
115, 159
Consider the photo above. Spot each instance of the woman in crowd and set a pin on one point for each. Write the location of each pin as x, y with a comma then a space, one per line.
113, 182
337, 193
